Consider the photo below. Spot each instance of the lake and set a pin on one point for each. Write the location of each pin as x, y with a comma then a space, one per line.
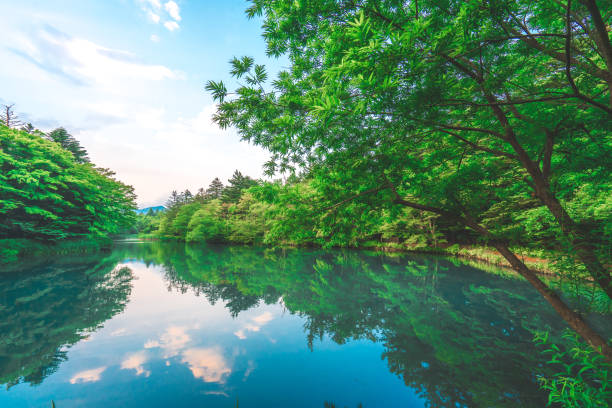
153, 324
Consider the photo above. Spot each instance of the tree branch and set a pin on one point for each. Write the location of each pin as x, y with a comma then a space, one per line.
478, 147
601, 39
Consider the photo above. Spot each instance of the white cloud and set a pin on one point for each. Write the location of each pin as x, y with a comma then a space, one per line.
171, 25
153, 17
148, 122
155, 38
263, 318
154, 3
152, 9
92, 375
172, 153
84, 62
173, 9
119, 332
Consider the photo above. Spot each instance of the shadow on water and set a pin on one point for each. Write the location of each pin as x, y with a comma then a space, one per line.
457, 336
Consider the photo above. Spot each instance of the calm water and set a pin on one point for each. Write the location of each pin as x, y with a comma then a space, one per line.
166, 325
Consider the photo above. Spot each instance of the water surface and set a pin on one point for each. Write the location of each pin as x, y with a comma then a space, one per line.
167, 325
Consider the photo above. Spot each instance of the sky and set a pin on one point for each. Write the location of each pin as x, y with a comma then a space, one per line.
126, 78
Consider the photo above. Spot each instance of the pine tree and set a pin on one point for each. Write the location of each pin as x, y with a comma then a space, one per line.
186, 196
238, 183
200, 195
174, 200
28, 128
215, 189
68, 142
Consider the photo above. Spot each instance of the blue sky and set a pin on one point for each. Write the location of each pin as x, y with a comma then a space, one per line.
126, 77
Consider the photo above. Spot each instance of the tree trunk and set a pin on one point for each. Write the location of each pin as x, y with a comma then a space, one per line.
573, 319
584, 251
601, 39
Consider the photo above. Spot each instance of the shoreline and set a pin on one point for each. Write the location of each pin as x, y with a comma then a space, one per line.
16, 250
483, 254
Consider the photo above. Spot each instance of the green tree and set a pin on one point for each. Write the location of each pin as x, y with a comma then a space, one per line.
46, 194
467, 110
237, 184
247, 221
173, 201
28, 128
207, 224
215, 189
68, 142
182, 219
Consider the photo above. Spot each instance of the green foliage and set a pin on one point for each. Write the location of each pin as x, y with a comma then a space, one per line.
581, 377
215, 189
296, 213
456, 109
46, 194
237, 184
207, 224
248, 220
147, 223
68, 142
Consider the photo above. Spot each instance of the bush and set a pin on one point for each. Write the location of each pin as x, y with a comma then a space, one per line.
583, 376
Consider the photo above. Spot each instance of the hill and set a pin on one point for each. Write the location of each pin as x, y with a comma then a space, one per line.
155, 209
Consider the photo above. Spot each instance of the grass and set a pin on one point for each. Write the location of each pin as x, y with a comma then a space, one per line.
538, 260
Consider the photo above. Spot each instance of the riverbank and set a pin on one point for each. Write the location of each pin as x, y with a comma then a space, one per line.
12, 250
484, 254
535, 260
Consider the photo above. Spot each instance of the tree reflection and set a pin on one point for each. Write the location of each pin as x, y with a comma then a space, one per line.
458, 337
47, 309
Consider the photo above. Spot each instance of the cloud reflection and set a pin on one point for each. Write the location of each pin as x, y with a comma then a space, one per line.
135, 362
86, 376
255, 325
207, 364
174, 339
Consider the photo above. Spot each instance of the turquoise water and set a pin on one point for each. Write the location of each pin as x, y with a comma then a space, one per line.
168, 325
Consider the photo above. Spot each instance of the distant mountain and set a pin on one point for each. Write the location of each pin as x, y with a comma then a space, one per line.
154, 209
